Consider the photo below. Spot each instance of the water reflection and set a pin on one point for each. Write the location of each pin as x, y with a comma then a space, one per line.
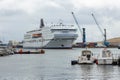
98, 72
106, 72
86, 72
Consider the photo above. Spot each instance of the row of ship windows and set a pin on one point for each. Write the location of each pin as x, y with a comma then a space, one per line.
42, 40
38, 35
30, 37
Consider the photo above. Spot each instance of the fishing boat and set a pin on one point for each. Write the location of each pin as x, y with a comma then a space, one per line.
105, 57
86, 57
29, 51
3, 49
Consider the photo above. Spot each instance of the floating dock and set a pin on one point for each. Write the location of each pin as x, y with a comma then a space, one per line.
29, 51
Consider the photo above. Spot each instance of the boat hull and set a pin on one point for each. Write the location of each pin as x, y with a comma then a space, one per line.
53, 44
84, 60
105, 61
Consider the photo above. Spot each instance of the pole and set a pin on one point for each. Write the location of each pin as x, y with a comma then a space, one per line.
105, 35
84, 38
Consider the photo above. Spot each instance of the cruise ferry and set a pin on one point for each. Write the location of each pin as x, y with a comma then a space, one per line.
53, 37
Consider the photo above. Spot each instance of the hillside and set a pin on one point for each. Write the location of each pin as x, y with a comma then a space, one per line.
114, 40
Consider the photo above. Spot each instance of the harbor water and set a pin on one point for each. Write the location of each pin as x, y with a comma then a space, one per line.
55, 64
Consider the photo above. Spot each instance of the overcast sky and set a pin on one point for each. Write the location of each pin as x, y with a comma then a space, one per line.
19, 16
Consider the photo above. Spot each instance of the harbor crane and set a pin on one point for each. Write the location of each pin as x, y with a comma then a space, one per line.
103, 33
82, 32
79, 27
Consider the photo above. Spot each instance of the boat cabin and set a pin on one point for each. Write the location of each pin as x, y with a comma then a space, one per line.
87, 53
106, 53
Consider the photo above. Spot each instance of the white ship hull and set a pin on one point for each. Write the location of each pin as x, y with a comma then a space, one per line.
55, 44
59, 43
50, 39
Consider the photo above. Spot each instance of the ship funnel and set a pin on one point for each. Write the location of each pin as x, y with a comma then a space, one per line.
41, 23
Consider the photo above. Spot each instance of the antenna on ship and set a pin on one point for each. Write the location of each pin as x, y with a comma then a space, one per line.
41, 23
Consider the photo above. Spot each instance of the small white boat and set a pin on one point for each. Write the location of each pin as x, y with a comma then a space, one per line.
86, 57
106, 57
3, 51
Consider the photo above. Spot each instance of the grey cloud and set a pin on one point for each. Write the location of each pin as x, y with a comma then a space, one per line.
11, 12
19, 21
